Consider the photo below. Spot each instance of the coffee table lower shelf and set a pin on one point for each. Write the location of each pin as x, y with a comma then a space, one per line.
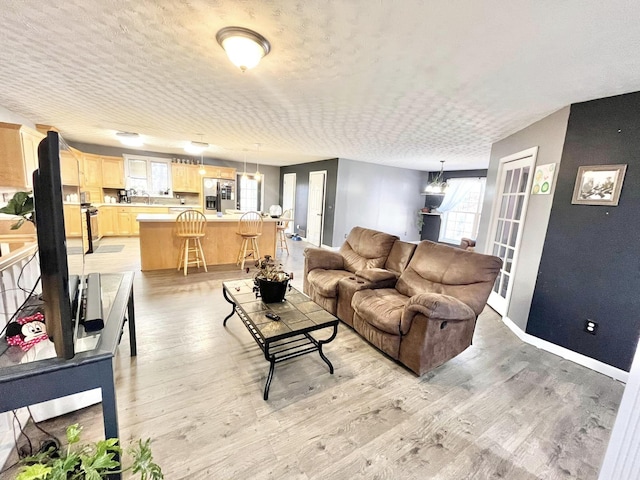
294, 342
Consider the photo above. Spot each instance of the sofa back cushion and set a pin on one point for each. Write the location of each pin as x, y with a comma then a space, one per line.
399, 257
365, 248
462, 274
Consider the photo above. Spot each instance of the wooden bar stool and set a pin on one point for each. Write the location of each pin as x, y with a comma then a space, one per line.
249, 228
190, 228
283, 224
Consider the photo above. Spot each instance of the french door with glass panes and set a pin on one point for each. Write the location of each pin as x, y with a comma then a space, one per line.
510, 207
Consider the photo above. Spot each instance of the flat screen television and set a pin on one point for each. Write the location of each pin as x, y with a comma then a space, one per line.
52, 246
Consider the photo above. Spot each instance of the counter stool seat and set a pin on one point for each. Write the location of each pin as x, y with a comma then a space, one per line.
282, 226
249, 228
190, 229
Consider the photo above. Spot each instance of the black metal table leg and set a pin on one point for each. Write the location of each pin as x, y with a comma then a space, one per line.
233, 306
322, 342
272, 367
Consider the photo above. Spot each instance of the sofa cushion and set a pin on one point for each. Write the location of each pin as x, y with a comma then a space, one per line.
436, 268
399, 256
376, 274
366, 248
325, 282
381, 308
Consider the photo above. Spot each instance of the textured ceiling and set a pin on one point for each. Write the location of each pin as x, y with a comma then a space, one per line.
405, 83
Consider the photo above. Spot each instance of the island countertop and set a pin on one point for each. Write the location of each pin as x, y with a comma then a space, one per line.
171, 217
160, 247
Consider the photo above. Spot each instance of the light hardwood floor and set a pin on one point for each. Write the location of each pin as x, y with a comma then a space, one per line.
501, 409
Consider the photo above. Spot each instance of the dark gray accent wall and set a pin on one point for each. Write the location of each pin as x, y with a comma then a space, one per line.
302, 194
590, 266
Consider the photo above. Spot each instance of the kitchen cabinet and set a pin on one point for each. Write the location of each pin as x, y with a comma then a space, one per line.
124, 218
185, 178
72, 219
18, 155
112, 172
70, 167
124, 222
92, 172
108, 221
219, 172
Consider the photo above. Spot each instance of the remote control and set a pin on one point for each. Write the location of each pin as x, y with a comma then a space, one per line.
272, 316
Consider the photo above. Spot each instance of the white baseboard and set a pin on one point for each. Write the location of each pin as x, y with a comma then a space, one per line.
567, 354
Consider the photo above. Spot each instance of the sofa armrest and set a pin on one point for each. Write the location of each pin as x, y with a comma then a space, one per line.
322, 258
376, 275
437, 307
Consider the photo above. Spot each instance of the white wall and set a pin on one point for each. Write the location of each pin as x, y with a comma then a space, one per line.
548, 134
378, 197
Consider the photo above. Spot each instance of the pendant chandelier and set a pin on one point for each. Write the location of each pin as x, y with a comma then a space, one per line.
438, 186
257, 175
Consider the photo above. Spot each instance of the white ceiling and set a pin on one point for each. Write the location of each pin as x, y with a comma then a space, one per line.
398, 82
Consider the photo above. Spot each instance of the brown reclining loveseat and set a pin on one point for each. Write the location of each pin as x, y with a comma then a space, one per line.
419, 307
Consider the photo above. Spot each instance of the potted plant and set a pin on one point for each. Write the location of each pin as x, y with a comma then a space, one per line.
89, 461
20, 205
271, 280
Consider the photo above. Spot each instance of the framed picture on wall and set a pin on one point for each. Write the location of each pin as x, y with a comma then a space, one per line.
598, 185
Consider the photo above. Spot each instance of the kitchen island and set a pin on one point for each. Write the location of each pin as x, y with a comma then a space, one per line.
159, 246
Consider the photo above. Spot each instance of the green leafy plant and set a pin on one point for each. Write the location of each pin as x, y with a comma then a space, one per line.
269, 270
89, 461
21, 205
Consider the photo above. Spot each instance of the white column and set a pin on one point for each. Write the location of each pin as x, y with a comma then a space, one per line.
622, 460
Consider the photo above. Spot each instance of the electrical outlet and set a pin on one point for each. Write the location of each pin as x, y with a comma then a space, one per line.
590, 326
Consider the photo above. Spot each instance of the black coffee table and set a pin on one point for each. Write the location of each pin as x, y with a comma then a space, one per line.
286, 338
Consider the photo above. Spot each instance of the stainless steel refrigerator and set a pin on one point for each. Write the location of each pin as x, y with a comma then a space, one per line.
219, 194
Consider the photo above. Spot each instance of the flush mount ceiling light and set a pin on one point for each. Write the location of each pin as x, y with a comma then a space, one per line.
131, 139
196, 147
245, 48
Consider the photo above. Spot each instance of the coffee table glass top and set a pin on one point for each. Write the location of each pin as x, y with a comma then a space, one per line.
297, 313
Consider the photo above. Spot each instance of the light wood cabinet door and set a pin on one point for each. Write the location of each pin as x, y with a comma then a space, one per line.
185, 178
69, 168
124, 222
178, 177
72, 220
194, 179
112, 172
30, 140
92, 169
107, 221
18, 155
228, 173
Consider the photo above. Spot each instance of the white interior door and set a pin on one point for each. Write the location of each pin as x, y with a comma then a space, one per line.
507, 221
289, 198
315, 213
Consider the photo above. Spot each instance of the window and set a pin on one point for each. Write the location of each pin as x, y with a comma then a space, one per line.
461, 209
148, 174
250, 193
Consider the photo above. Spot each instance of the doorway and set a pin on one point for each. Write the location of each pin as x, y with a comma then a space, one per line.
289, 199
315, 211
507, 221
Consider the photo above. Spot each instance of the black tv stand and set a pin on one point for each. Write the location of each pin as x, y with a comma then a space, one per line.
23, 384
